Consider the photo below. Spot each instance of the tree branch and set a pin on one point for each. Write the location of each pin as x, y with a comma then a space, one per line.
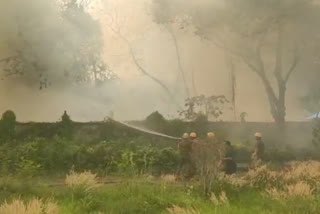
8, 59
143, 70
292, 67
194, 83
179, 59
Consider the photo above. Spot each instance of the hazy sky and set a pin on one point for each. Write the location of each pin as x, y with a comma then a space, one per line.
135, 96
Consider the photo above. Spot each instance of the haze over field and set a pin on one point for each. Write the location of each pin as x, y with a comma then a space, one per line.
52, 41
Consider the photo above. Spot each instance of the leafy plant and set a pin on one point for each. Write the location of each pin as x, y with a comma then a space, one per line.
7, 125
316, 133
204, 107
65, 126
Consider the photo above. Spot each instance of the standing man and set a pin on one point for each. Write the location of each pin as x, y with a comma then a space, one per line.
211, 137
186, 168
258, 153
229, 165
193, 137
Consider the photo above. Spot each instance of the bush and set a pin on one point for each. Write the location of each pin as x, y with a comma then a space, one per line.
316, 133
7, 125
57, 156
9, 116
82, 183
34, 206
156, 122
65, 126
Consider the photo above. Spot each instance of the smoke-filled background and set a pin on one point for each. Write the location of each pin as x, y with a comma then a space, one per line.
93, 58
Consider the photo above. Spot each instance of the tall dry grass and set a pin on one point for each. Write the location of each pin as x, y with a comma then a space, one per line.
85, 181
34, 206
179, 210
300, 189
295, 179
219, 199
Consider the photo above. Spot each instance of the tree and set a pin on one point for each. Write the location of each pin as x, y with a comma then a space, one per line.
7, 125
65, 128
243, 116
204, 108
59, 42
311, 101
156, 122
268, 36
162, 15
115, 25
231, 66
88, 64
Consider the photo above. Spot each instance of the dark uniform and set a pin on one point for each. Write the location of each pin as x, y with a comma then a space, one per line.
186, 167
229, 166
259, 150
258, 154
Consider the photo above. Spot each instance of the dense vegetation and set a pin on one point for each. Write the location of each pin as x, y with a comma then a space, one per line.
55, 149
135, 173
264, 190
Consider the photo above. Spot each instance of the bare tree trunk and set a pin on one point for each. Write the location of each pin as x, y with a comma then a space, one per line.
280, 104
277, 104
144, 71
230, 65
179, 60
255, 62
276, 101
195, 92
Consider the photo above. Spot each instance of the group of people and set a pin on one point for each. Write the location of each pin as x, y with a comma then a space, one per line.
211, 151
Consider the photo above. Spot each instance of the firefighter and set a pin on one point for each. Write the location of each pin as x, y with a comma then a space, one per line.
229, 165
193, 137
258, 153
211, 137
186, 168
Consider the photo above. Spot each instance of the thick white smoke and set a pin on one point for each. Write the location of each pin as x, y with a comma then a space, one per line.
37, 28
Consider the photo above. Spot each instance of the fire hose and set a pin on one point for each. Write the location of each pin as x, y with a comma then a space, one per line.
144, 130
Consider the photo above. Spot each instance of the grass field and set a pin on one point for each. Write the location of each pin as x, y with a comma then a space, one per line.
145, 194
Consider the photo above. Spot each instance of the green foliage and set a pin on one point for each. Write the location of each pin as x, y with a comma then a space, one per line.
156, 122
311, 101
316, 133
65, 126
43, 156
145, 196
243, 116
9, 116
7, 125
204, 108
280, 155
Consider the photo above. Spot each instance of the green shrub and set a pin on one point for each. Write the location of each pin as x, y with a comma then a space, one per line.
7, 125
57, 156
156, 122
65, 126
316, 133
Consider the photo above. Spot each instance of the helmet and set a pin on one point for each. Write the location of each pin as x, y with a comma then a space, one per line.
211, 135
193, 134
257, 134
185, 136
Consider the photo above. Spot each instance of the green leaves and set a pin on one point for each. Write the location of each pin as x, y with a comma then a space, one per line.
204, 107
7, 125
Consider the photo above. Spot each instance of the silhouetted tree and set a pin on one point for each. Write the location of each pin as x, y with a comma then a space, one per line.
65, 126
7, 125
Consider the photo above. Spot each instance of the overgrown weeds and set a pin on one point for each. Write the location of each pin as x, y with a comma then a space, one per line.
34, 206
